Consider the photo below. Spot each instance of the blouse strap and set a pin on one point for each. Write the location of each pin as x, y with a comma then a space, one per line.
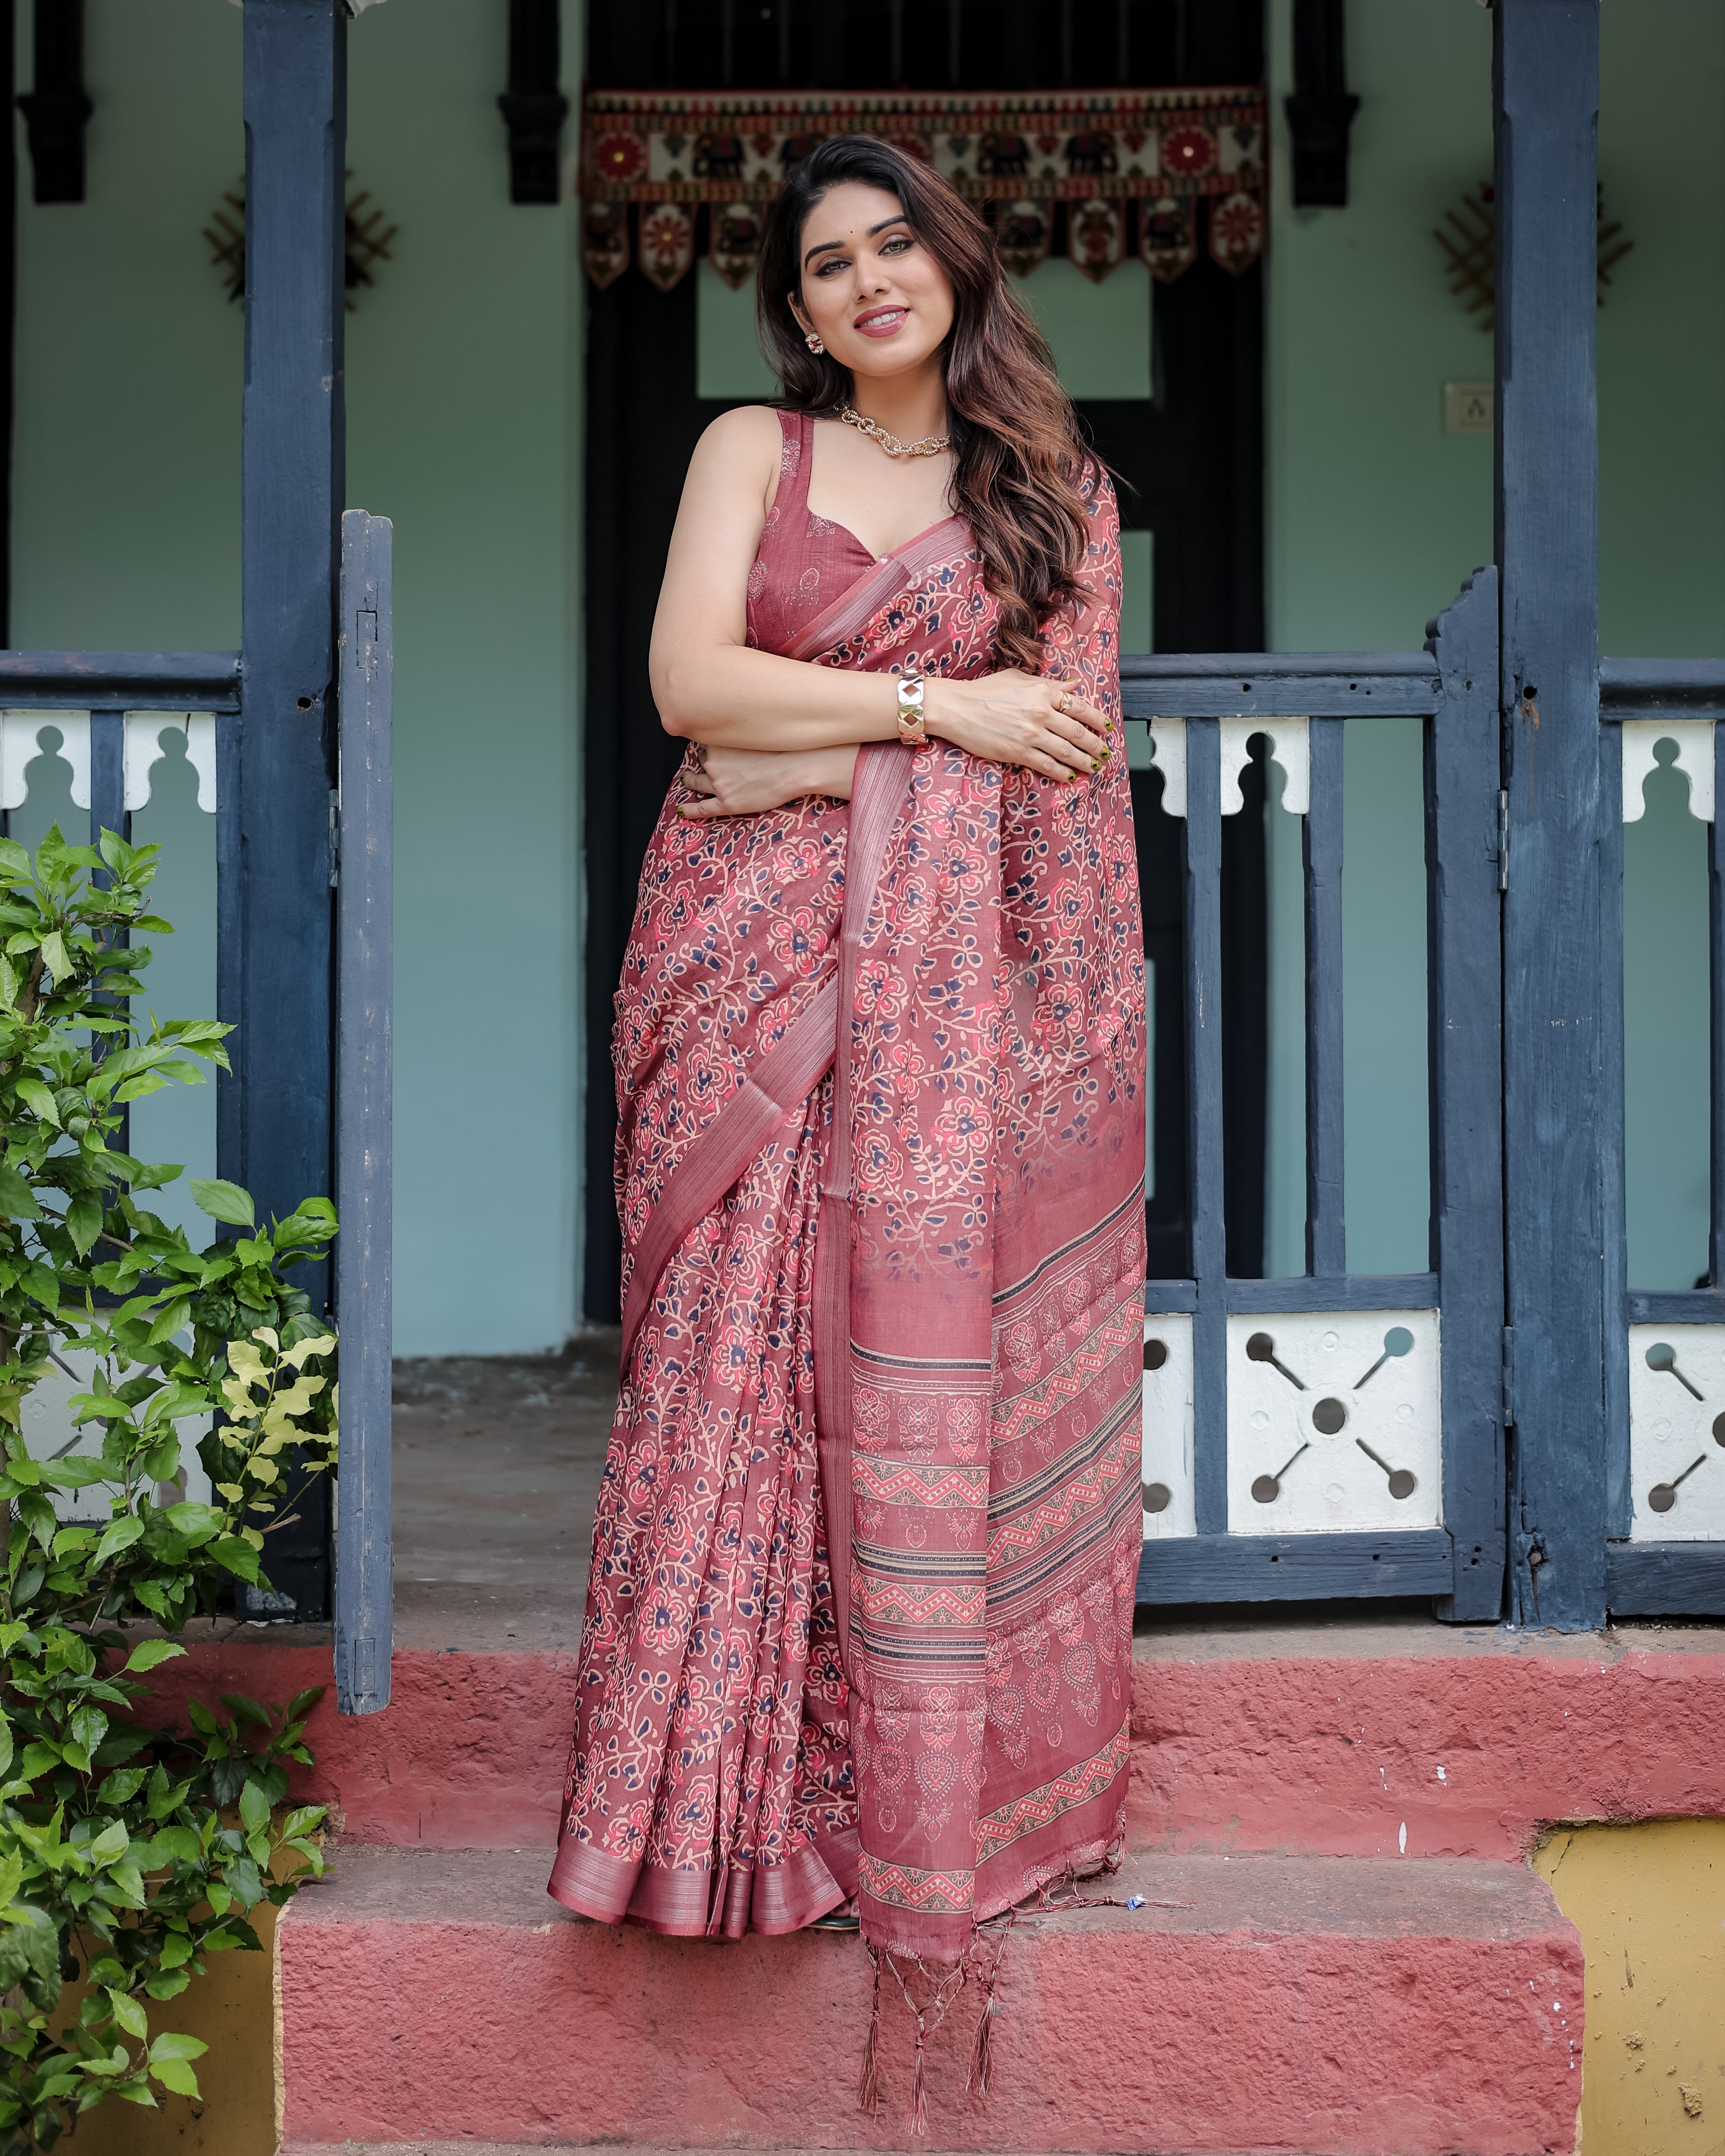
796, 455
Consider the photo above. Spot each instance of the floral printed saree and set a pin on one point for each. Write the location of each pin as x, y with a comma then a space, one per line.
859, 1614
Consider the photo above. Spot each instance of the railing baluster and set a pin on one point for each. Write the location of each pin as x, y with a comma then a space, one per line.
1614, 1138
107, 813
1203, 857
1716, 1024
364, 1579
107, 776
1326, 1233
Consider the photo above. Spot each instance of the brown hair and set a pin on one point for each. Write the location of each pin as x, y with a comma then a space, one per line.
1020, 469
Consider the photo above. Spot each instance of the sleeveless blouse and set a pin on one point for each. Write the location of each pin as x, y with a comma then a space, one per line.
804, 562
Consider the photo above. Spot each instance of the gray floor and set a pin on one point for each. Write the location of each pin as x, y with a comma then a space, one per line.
496, 1471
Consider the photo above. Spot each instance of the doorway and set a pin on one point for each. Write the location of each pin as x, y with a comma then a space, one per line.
1188, 457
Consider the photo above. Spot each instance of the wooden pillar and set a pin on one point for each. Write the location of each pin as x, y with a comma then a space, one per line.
1545, 112
365, 1595
274, 841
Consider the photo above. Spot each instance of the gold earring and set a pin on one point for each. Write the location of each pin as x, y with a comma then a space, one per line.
814, 342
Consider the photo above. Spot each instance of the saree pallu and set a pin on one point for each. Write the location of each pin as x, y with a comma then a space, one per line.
880, 1161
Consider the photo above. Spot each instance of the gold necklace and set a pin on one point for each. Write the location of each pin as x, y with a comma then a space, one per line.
932, 445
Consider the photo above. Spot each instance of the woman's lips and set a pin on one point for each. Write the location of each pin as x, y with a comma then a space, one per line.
885, 321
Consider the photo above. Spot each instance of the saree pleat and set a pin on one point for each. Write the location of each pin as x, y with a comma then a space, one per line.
943, 1727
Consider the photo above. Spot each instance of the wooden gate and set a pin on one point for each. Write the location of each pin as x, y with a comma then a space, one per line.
296, 726
1336, 1433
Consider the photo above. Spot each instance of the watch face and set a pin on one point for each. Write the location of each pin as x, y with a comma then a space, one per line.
1676, 1389
1334, 1422
1166, 1483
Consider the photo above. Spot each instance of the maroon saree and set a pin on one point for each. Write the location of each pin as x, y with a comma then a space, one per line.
885, 1274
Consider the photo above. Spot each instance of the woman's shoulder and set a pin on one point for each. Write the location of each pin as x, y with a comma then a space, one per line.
744, 429
739, 455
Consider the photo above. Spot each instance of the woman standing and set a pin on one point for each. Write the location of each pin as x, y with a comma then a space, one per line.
860, 1609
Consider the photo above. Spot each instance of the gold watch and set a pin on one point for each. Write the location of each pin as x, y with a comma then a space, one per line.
912, 725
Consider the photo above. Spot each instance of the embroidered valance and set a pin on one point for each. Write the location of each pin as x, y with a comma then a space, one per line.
1074, 169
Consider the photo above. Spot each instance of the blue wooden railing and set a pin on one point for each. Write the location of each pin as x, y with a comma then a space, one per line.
1451, 686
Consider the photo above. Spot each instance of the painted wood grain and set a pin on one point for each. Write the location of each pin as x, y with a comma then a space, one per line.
1546, 81
1320, 854
1464, 986
121, 680
1294, 1567
1201, 839
364, 1066
274, 865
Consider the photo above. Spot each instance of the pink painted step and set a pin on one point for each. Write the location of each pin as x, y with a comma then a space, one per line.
1356, 2007
1328, 1742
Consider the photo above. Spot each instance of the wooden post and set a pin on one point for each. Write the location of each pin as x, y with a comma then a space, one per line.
1464, 1038
1321, 845
274, 851
1546, 75
107, 813
1202, 836
364, 1579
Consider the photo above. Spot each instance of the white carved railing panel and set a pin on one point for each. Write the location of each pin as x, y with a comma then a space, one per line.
1334, 1421
1676, 1388
1289, 745
21, 743
1170, 1504
1167, 745
49, 1433
1693, 741
144, 733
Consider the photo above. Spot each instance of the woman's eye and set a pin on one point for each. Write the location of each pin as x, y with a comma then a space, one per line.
896, 245
831, 262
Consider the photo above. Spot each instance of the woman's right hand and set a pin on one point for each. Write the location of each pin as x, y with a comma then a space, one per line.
1041, 723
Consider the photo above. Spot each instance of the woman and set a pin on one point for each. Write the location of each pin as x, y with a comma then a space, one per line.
859, 1616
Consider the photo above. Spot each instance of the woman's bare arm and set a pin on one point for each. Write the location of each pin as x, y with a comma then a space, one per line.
711, 688
708, 685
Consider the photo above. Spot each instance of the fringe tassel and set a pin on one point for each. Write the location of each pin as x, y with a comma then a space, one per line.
977, 2079
919, 2093
868, 2094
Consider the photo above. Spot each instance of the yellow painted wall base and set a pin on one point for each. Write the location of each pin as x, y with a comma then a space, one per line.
232, 2008
1649, 1901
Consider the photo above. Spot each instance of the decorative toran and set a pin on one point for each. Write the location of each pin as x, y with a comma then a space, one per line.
1092, 161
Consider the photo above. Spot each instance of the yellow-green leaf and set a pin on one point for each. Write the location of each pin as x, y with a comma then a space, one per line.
129, 2014
35, 1095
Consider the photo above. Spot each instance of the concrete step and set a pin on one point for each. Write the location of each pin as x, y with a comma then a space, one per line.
1359, 1738
1348, 2006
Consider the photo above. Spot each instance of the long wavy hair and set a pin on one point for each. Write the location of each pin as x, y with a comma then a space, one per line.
1020, 467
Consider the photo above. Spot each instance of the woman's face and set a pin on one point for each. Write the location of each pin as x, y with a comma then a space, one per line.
872, 292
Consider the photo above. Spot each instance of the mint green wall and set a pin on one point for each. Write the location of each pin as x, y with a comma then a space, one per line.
463, 374
1375, 516
464, 370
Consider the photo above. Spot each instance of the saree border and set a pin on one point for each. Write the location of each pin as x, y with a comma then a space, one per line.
854, 607
818, 1875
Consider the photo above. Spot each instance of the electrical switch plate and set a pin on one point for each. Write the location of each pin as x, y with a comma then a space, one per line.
1467, 407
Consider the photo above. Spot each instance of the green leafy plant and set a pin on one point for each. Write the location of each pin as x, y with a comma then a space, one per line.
128, 1854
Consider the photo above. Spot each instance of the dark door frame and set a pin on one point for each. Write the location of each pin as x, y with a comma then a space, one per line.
1191, 459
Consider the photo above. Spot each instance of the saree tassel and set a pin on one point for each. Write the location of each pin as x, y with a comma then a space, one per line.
977, 2077
868, 2094
982, 2058
919, 2093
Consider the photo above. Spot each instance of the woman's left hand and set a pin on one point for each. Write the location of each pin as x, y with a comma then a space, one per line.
742, 782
